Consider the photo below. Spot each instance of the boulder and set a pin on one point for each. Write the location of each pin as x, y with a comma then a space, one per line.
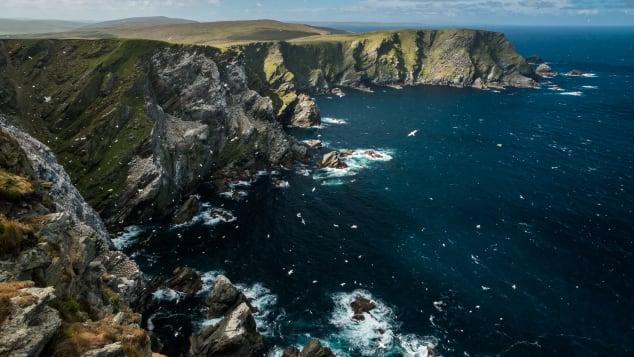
575, 72
313, 143
187, 210
111, 350
544, 70
361, 305
185, 280
312, 348
305, 112
233, 336
224, 297
332, 160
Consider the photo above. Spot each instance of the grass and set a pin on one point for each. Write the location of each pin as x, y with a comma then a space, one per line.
79, 337
13, 234
11, 290
13, 187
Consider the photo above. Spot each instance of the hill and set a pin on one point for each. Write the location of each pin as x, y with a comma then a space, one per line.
28, 26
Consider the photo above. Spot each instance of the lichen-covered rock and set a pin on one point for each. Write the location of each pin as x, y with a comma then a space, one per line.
234, 336
30, 324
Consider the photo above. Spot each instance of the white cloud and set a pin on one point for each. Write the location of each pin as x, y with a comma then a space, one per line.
214, 2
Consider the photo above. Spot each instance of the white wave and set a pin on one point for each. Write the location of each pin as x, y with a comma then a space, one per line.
236, 195
590, 87
377, 334
238, 184
282, 184
333, 121
166, 294
589, 75
356, 161
416, 346
128, 238
208, 281
265, 301
210, 216
576, 93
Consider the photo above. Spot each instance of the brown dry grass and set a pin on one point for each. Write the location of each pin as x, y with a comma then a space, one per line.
80, 337
14, 187
12, 234
11, 290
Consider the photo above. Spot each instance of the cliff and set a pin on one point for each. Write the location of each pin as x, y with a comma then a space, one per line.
139, 125
464, 58
58, 276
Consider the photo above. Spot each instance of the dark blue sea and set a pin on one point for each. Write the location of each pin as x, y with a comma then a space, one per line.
491, 223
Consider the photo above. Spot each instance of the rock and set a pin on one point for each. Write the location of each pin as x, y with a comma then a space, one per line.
185, 280
544, 70
345, 152
31, 323
187, 210
331, 160
111, 350
534, 59
234, 336
291, 351
305, 112
373, 154
106, 84
575, 72
313, 143
361, 305
223, 297
312, 348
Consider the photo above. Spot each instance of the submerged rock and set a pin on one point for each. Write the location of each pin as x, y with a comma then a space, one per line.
575, 72
332, 160
234, 336
534, 59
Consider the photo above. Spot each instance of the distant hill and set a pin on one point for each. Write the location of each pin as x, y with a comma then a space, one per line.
29, 26
223, 33
134, 22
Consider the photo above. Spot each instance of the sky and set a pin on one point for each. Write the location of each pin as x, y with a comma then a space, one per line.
424, 12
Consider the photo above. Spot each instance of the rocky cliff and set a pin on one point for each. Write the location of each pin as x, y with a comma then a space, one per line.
465, 58
58, 277
139, 125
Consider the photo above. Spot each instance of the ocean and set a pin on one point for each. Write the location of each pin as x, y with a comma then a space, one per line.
489, 223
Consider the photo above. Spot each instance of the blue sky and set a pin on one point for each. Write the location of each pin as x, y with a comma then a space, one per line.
424, 12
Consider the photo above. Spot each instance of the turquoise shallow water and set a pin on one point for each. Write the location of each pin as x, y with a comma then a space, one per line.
503, 225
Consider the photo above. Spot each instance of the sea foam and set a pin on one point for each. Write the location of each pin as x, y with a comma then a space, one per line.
128, 238
356, 161
378, 333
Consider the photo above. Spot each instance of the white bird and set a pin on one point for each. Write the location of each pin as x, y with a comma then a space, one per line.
290, 272
413, 132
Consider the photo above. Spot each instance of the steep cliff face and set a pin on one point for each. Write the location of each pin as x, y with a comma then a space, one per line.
438, 57
140, 124
56, 266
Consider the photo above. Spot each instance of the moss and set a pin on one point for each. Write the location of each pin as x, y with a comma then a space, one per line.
111, 298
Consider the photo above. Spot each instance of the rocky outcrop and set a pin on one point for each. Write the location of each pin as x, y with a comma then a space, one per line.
332, 160
224, 297
312, 348
145, 123
61, 245
575, 72
305, 112
30, 323
453, 57
361, 306
534, 59
234, 336
185, 280
544, 70
186, 211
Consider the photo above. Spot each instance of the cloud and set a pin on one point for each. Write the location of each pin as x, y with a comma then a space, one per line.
214, 2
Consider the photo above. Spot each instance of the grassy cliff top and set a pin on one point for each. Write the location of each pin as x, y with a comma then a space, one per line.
221, 34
